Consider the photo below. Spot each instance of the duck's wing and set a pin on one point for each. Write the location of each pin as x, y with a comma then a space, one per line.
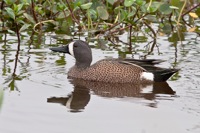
160, 74
145, 61
146, 64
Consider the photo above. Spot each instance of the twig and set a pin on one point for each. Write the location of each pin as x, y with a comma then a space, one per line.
170, 21
2, 3
72, 14
33, 11
135, 13
152, 47
187, 13
17, 32
149, 5
122, 41
84, 14
111, 41
113, 26
179, 17
190, 10
185, 22
141, 18
130, 33
154, 34
119, 29
39, 23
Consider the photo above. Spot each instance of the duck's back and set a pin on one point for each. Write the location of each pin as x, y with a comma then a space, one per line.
109, 70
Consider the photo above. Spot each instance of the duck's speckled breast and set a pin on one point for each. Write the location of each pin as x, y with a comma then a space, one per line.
108, 71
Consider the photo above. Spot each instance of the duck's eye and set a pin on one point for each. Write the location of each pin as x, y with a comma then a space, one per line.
75, 46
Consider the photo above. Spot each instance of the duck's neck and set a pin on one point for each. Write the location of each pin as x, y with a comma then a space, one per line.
84, 61
82, 65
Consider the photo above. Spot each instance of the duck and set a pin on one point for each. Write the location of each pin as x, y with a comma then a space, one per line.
136, 71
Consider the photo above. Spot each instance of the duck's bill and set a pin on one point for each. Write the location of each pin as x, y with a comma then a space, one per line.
63, 49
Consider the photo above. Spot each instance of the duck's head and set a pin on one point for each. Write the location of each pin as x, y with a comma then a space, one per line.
80, 50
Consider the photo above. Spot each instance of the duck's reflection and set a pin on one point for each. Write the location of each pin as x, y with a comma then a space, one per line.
76, 101
80, 97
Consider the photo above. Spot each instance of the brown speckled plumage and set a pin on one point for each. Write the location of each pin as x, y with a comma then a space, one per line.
108, 70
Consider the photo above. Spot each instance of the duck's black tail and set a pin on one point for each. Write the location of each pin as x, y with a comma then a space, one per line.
163, 75
160, 74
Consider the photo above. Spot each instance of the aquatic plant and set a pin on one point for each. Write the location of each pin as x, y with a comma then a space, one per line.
107, 17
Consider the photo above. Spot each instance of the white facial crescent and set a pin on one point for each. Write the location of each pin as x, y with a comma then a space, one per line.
71, 48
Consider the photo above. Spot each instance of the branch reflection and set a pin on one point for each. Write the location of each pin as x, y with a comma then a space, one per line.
11, 80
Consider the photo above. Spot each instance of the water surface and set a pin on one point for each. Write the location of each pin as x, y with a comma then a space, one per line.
40, 98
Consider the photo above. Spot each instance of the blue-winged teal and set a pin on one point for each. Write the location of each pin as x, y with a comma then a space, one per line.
112, 70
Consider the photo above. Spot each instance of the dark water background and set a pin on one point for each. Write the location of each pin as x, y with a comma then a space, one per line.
40, 98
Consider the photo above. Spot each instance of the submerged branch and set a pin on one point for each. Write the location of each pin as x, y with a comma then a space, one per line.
18, 48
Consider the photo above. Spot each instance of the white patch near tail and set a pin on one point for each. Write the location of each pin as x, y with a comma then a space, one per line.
68, 103
147, 76
71, 48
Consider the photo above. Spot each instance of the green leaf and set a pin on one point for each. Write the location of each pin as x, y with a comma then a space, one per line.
143, 8
86, 6
152, 18
62, 14
12, 85
20, 13
140, 2
26, 2
10, 2
123, 15
132, 12
30, 18
175, 37
198, 11
60, 7
177, 3
20, 20
117, 9
10, 12
128, 3
19, 7
174, 7
78, 3
111, 1
165, 9
15, 8
154, 6
102, 12
93, 14
11, 31
24, 27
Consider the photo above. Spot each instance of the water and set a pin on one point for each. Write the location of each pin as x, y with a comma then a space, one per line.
40, 98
